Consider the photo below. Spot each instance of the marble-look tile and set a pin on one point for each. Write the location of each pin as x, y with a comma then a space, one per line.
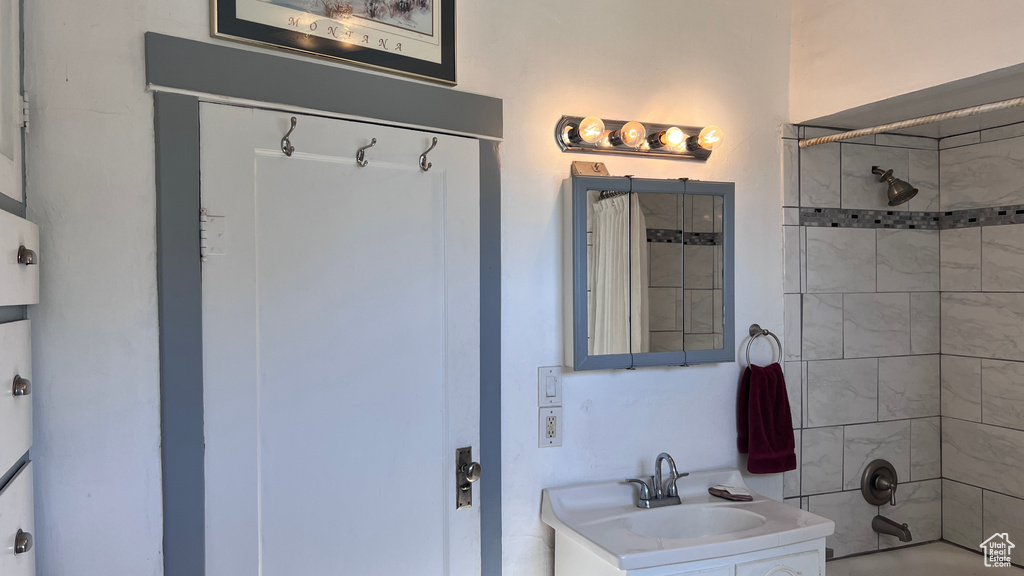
719, 279
1002, 132
790, 173
986, 174
702, 311
925, 449
660, 210
666, 341
822, 460
794, 391
960, 258
701, 342
803, 384
876, 325
924, 323
908, 260
794, 502
1002, 514
663, 308
819, 176
842, 392
924, 175
791, 216
1002, 399
719, 213
823, 326
718, 312
703, 213
989, 325
791, 478
791, 262
959, 140
904, 141
867, 442
698, 267
961, 514
685, 212
908, 387
860, 188
686, 311
1002, 258
919, 505
981, 455
961, 387
791, 326
840, 260
789, 131
803, 259
852, 516
666, 261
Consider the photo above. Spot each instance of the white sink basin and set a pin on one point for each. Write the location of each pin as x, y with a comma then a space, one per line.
603, 517
693, 522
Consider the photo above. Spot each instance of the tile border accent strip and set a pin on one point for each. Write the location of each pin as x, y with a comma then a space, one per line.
852, 218
669, 236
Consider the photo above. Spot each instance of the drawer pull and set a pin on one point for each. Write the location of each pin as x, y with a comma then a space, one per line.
22, 542
26, 256
22, 386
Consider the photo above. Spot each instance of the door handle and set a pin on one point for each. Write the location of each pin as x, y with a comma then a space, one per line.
472, 471
22, 386
466, 472
26, 256
22, 542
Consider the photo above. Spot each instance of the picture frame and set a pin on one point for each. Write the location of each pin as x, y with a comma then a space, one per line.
413, 38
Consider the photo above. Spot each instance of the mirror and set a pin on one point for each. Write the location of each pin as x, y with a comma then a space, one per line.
657, 267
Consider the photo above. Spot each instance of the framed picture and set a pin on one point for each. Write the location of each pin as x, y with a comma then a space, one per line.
409, 37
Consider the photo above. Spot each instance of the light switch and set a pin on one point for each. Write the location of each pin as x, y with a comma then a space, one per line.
549, 386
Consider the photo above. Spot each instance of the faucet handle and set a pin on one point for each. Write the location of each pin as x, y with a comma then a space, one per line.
672, 490
645, 492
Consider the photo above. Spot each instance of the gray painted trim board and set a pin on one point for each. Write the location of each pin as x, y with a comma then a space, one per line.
187, 65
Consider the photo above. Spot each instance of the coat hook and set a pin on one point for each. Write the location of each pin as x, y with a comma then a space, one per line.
286, 143
424, 165
361, 154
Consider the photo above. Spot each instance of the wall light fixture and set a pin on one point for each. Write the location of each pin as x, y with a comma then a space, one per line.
596, 135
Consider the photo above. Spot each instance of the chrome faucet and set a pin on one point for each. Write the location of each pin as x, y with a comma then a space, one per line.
658, 494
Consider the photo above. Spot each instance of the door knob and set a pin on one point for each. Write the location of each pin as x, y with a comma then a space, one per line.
22, 542
26, 256
22, 386
472, 471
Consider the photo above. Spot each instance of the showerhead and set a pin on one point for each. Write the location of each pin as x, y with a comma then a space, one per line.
899, 191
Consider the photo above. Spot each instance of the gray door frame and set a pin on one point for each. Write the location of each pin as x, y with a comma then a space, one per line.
181, 72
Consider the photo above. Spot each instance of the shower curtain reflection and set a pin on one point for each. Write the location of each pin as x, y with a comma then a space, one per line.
618, 278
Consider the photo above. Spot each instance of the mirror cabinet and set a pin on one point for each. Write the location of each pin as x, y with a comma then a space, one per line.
648, 272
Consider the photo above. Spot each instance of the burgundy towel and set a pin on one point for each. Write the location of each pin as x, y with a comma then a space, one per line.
764, 421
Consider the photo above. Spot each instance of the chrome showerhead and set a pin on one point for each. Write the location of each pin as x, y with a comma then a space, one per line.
899, 191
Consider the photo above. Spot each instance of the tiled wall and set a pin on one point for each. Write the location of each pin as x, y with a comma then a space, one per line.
862, 333
982, 283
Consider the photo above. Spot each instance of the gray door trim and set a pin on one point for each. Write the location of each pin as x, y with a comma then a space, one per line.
179, 64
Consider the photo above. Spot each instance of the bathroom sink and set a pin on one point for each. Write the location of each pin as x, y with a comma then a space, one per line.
603, 518
693, 522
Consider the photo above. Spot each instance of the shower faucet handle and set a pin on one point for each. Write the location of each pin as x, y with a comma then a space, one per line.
883, 484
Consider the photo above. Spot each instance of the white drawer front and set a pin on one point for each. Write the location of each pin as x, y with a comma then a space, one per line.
19, 283
805, 564
16, 513
15, 411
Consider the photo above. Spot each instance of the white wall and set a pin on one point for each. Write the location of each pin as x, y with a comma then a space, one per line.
846, 54
91, 187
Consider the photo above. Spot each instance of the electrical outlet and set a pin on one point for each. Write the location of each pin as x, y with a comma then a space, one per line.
549, 386
550, 421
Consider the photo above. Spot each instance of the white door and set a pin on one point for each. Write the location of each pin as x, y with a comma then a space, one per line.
340, 347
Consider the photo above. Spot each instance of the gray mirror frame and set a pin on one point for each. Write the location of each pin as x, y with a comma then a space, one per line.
581, 359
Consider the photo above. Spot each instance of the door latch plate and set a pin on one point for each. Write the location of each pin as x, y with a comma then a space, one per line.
463, 487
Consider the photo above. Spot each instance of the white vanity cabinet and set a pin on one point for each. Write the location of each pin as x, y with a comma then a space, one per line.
802, 559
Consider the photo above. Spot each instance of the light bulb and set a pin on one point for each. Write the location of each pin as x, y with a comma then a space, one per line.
605, 141
671, 137
631, 134
591, 128
710, 137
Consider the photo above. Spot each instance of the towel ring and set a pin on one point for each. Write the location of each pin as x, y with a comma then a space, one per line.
755, 332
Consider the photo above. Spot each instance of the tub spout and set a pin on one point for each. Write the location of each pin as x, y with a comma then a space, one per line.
883, 525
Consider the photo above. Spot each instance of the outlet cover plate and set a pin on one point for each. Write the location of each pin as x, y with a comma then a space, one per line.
549, 431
